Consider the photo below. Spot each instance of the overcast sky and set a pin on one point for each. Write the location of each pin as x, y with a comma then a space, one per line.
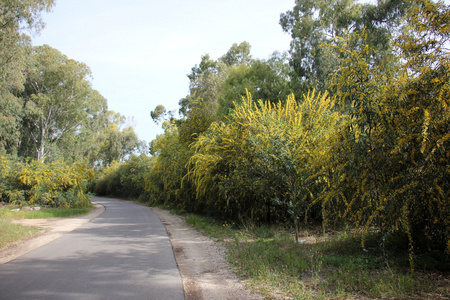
140, 51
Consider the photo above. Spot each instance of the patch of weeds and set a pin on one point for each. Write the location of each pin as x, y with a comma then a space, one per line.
325, 266
11, 233
44, 213
210, 227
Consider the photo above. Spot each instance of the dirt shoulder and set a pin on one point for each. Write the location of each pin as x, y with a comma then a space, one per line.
51, 230
201, 261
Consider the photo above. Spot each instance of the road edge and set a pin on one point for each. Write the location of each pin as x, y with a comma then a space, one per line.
57, 230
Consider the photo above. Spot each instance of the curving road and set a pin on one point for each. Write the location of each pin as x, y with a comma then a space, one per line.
124, 253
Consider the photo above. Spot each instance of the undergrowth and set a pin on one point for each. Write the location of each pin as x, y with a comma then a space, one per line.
324, 266
44, 213
11, 233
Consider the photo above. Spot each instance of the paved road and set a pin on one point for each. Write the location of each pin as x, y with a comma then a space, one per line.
124, 253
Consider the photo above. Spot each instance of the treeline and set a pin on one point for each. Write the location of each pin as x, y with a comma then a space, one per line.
49, 111
351, 127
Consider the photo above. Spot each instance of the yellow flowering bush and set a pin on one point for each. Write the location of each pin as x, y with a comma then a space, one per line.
55, 184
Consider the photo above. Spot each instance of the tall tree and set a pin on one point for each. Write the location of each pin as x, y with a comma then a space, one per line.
313, 23
118, 141
58, 98
16, 18
264, 79
389, 167
237, 55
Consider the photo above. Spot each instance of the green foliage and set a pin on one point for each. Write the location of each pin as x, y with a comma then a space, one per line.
43, 213
237, 55
57, 100
124, 179
322, 266
56, 114
389, 167
313, 23
261, 160
55, 184
373, 156
11, 233
16, 18
164, 183
116, 143
263, 79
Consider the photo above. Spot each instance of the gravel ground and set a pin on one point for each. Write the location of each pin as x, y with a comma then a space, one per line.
201, 261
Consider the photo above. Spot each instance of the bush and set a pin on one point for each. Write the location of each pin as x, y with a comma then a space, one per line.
124, 180
55, 184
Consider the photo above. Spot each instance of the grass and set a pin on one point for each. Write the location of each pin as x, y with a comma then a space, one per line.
11, 233
324, 266
45, 213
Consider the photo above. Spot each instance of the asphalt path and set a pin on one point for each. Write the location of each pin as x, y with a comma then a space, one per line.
124, 253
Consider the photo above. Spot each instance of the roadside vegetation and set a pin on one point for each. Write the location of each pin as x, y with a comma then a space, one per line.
11, 233
349, 130
344, 139
44, 213
329, 265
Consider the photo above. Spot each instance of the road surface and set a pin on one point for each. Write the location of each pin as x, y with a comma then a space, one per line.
124, 253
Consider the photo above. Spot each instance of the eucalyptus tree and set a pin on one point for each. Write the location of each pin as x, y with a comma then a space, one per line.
117, 141
314, 23
16, 18
264, 79
58, 100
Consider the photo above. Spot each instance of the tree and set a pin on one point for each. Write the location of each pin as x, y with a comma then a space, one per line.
160, 113
264, 79
118, 141
16, 18
237, 55
205, 82
261, 162
313, 23
388, 168
207, 78
58, 99
164, 184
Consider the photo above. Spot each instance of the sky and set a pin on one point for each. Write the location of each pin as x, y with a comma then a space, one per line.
140, 51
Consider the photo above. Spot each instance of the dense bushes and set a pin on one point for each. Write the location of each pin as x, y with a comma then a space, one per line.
123, 180
55, 184
263, 161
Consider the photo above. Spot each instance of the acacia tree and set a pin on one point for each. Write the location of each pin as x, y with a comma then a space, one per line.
164, 182
388, 168
261, 162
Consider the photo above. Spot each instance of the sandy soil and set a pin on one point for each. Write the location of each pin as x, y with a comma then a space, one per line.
201, 261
